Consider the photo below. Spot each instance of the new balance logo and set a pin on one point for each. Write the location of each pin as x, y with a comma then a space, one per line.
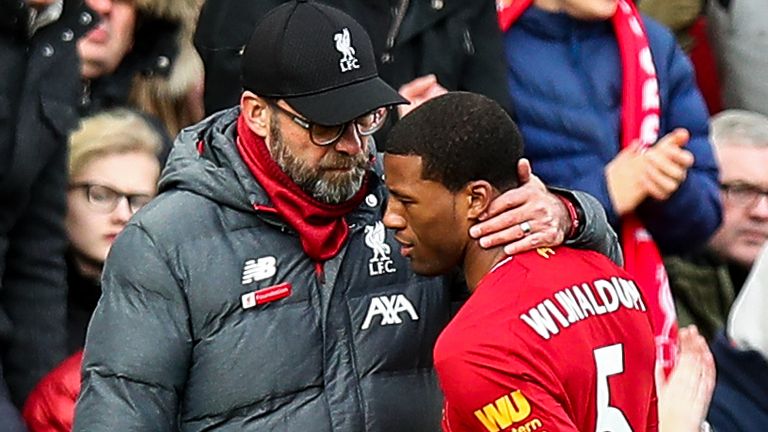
389, 309
260, 269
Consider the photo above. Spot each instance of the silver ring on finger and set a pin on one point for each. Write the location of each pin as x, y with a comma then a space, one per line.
525, 227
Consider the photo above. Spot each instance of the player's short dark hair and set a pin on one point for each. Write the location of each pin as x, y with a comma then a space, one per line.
460, 137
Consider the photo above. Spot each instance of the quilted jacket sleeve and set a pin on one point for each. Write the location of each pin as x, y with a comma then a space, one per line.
596, 234
138, 345
692, 214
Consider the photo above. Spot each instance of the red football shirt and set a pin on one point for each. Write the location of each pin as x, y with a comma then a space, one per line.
551, 340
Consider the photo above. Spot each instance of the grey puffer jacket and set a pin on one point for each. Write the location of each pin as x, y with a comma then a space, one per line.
175, 345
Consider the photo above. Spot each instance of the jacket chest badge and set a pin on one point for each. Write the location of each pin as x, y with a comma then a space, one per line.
259, 269
375, 238
265, 295
255, 270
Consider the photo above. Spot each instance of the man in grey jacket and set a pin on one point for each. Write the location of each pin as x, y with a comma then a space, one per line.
260, 290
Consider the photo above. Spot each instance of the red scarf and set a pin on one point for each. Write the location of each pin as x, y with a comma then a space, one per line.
639, 123
321, 227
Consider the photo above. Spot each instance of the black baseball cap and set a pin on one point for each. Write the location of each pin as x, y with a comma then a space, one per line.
319, 60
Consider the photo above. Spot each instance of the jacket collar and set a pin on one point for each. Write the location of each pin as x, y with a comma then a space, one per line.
560, 26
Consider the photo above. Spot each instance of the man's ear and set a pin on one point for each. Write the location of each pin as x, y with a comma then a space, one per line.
254, 110
479, 195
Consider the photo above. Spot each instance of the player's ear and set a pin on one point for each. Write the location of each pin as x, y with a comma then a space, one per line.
479, 194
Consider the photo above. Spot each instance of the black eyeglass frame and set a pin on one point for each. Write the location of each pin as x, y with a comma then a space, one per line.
309, 125
750, 194
116, 196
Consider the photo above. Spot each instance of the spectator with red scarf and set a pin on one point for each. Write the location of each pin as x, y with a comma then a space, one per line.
607, 103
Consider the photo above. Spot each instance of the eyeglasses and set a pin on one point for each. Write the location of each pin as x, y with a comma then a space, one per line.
104, 199
322, 135
743, 194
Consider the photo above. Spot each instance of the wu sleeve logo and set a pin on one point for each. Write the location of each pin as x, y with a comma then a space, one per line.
375, 238
389, 309
509, 410
343, 41
259, 269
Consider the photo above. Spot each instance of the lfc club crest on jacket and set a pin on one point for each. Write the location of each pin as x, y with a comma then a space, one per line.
380, 262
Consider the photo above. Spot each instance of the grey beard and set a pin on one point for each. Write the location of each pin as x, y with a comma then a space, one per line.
320, 185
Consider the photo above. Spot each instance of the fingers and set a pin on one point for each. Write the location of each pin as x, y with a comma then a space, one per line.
696, 368
625, 180
530, 190
684, 398
705, 367
504, 203
659, 185
435, 90
678, 137
667, 165
418, 85
547, 235
515, 241
504, 229
670, 150
419, 91
524, 171
663, 176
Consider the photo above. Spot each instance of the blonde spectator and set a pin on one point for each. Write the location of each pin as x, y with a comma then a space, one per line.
113, 170
114, 155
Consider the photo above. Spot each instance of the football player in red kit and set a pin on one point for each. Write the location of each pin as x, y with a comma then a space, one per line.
549, 340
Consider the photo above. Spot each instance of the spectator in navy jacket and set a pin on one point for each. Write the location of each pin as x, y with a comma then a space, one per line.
740, 402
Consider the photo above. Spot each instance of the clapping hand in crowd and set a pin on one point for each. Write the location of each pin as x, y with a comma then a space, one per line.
684, 396
656, 173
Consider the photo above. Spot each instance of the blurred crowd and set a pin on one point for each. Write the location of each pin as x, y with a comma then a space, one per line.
94, 92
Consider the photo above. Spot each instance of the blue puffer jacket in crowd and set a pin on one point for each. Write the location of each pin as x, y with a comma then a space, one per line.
565, 80
740, 401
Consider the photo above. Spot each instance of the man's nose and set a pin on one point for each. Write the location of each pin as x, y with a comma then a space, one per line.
392, 219
102, 7
351, 142
760, 209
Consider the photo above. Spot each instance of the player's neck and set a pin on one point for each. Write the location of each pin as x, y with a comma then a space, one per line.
478, 262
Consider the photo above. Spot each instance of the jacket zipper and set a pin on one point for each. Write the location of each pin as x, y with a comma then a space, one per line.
320, 272
402, 8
